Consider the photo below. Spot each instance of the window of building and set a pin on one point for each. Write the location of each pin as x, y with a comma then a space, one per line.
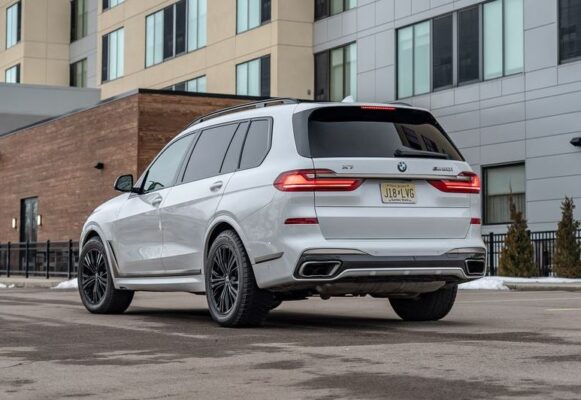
442, 52
251, 13
490, 44
164, 170
208, 155
13, 24
197, 25
197, 85
78, 74
79, 19
414, 59
168, 30
113, 55
12, 74
253, 77
326, 8
500, 184
107, 4
503, 37
569, 30
469, 45
336, 73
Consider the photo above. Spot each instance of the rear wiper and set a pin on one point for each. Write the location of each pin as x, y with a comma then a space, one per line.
407, 152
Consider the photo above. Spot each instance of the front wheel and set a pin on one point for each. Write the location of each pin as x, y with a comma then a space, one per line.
96, 288
233, 297
427, 306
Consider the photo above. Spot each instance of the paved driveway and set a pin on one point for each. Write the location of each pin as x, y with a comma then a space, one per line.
494, 345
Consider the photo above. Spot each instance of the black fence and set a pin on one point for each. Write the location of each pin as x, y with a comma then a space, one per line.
543, 244
41, 259
61, 259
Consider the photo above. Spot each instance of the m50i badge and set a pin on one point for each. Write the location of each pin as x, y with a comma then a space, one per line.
402, 167
443, 169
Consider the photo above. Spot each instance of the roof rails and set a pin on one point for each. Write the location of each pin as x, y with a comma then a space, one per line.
246, 106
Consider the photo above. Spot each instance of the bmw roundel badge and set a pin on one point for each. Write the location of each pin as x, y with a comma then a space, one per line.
402, 167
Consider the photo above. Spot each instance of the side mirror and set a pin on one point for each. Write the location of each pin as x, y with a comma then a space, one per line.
124, 183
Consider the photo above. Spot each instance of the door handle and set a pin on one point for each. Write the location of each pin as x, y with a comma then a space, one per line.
216, 186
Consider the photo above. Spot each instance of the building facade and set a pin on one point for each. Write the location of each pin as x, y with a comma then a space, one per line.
243, 47
502, 76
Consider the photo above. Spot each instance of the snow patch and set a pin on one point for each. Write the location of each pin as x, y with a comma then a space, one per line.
72, 284
498, 282
3, 286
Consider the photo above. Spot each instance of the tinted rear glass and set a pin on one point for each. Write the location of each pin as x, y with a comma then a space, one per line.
358, 132
206, 159
256, 145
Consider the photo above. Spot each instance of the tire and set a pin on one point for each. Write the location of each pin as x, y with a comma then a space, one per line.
96, 287
427, 306
233, 297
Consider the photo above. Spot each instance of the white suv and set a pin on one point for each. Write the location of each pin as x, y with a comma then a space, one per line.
282, 200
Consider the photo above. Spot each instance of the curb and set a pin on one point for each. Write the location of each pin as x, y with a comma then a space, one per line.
544, 287
31, 283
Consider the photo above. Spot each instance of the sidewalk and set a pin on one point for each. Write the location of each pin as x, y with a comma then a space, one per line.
35, 282
535, 287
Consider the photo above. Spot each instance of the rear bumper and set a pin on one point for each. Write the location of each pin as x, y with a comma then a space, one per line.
447, 267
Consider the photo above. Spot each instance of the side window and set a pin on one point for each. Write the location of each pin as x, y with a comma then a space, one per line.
206, 159
163, 171
232, 159
256, 145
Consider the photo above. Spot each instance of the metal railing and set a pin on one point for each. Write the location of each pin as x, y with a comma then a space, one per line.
61, 259
39, 259
543, 245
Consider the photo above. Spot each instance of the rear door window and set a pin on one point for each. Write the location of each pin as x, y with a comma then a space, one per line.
208, 154
382, 132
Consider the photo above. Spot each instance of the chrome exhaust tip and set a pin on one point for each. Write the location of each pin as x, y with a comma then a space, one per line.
475, 267
318, 269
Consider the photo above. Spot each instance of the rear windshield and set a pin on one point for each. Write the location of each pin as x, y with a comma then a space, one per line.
361, 132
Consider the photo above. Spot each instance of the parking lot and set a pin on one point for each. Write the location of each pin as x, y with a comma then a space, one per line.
494, 345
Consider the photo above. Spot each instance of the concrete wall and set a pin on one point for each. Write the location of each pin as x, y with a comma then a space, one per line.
21, 105
528, 117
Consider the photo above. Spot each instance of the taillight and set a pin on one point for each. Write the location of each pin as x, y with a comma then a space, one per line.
468, 182
314, 180
378, 108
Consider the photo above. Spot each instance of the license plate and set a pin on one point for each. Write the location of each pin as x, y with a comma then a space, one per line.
403, 193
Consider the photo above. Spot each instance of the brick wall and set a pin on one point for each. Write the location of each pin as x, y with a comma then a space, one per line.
55, 161
162, 117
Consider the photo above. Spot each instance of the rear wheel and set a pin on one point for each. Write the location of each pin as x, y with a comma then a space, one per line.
233, 297
427, 306
96, 288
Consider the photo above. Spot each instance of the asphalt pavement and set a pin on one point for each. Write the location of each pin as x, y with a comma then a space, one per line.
494, 345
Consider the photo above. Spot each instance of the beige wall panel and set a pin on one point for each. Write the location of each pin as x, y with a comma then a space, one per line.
295, 72
222, 78
57, 72
294, 10
33, 71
